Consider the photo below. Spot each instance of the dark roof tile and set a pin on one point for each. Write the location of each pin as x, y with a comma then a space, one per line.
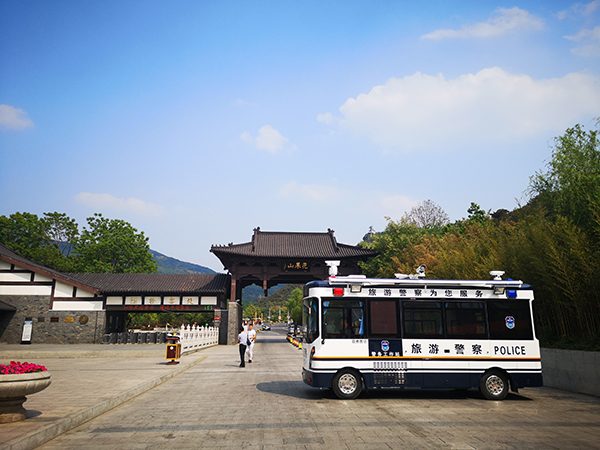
154, 283
276, 244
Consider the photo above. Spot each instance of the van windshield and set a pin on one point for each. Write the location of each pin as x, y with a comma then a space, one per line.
310, 318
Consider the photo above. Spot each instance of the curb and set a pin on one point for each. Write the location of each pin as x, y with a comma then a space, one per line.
104, 353
38, 437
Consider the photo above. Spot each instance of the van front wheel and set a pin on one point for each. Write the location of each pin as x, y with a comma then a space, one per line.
347, 384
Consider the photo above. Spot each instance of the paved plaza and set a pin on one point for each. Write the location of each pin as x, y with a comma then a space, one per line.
213, 403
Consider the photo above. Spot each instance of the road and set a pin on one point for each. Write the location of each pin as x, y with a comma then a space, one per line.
216, 404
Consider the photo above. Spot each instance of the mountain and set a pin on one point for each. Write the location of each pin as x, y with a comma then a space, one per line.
279, 297
167, 264
253, 293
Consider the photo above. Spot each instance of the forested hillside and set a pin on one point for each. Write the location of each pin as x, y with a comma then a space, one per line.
277, 301
166, 264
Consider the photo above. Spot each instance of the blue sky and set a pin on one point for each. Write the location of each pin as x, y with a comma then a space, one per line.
197, 121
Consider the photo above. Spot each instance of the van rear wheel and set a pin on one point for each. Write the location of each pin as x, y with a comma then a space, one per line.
347, 384
494, 385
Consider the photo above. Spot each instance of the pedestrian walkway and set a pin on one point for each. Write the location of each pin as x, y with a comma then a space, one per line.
87, 380
51, 351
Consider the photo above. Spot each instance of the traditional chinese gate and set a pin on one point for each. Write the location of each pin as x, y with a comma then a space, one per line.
273, 258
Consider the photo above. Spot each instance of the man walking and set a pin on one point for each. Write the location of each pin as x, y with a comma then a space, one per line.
251, 340
243, 341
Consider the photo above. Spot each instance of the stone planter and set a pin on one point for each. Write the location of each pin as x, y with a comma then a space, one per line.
13, 391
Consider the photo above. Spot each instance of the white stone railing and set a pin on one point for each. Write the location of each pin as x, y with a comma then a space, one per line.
195, 337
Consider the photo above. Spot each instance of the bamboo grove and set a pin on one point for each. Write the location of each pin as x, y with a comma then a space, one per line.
551, 243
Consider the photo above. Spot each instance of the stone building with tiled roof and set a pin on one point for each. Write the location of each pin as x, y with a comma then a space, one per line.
81, 307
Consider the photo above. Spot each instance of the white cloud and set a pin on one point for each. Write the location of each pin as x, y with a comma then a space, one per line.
268, 139
247, 138
507, 20
108, 202
311, 192
431, 112
325, 118
584, 9
12, 118
373, 203
589, 42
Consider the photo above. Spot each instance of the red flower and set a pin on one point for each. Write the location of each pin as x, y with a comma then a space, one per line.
16, 367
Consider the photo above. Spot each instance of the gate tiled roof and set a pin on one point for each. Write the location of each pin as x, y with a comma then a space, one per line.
274, 244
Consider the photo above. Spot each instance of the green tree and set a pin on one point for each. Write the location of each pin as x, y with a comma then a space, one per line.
294, 305
476, 214
38, 238
112, 246
570, 186
394, 245
250, 311
143, 319
61, 231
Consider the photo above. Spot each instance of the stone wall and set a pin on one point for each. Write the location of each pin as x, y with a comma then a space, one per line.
572, 370
49, 327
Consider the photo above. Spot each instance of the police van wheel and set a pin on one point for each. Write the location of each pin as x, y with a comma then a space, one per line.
494, 385
347, 384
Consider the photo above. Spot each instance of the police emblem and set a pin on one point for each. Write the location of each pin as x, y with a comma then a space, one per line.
385, 346
510, 322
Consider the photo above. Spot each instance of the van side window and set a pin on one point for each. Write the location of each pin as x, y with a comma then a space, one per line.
343, 319
465, 320
383, 317
422, 319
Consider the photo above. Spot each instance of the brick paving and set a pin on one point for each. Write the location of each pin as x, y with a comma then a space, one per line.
86, 380
216, 404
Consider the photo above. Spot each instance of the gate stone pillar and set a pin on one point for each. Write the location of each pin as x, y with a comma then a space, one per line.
234, 322
223, 325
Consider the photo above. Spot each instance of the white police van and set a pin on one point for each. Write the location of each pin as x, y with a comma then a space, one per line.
411, 332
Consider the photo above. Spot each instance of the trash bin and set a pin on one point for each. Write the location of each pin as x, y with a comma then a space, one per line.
173, 350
